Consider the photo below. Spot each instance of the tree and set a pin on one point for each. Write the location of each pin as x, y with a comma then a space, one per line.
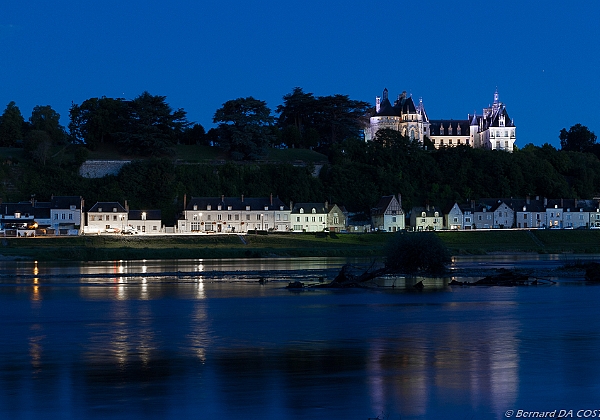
578, 139
96, 121
11, 126
339, 117
44, 118
193, 135
244, 129
151, 126
37, 146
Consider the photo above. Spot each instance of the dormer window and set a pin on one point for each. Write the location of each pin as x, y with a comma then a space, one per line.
266, 208
229, 208
72, 207
281, 208
247, 208
314, 210
423, 214
114, 209
99, 209
436, 214
301, 210
195, 207
17, 215
441, 130
209, 207
458, 130
219, 207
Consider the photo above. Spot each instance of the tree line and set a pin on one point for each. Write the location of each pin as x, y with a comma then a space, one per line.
357, 173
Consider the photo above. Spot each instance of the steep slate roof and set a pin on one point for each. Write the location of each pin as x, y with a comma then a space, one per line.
65, 202
383, 205
150, 214
417, 211
107, 207
236, 203
435, 127
307, 208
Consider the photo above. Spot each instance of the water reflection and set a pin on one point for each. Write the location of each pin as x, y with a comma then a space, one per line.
133, 344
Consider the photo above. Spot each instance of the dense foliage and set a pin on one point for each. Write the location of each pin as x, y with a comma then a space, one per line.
355, 175
417, 252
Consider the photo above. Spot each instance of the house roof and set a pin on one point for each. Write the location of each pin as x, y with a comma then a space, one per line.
107, 207
450, 127
65, 202
236, 203
150, 214
307, 208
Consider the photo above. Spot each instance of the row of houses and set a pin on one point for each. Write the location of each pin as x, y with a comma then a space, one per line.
66, 215
492, 213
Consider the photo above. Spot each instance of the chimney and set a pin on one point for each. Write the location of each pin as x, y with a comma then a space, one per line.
242, 198
561, 203
528, 200
473, 204
271, 198
576, 202
326, 205
399, 200
545, 201
184, 201
222, 198
126, 206
291, 205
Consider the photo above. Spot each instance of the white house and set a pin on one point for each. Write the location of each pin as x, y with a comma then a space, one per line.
426, 218
106, 217
145, 221
388, 215
454, 218
234, 215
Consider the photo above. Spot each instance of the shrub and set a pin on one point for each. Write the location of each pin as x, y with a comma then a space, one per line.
417, 251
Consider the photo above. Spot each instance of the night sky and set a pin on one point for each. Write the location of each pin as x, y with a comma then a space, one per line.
542, 56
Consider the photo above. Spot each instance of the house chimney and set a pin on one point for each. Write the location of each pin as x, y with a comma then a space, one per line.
561, 203
271, 198
545, 201
576, 202
326, 205
291, 205
184, 201
126, 206
222, 198
472, 204
242, 198
400, 200
528, 200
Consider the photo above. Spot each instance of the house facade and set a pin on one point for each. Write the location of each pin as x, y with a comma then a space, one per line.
106, 217
426, 218
145, 221
388, 215
234, 215
454, 218
309, 217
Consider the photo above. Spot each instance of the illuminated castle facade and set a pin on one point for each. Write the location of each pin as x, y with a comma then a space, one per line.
493, 129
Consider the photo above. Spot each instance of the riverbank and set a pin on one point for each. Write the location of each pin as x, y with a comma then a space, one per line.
130, 247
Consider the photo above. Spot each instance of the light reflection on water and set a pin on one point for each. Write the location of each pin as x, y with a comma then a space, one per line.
113, 345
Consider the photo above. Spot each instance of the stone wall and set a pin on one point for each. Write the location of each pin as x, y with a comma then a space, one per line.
101, 168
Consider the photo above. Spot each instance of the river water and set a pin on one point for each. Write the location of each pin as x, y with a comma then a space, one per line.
207, 339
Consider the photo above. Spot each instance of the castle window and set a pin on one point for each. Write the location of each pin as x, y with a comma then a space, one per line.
441, 130
458, 130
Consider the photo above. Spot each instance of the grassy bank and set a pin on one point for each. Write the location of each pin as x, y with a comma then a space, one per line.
90, 248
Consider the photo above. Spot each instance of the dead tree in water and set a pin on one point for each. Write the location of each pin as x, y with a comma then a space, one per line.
346, 278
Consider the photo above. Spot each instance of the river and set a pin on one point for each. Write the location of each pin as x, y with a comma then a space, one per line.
207, 339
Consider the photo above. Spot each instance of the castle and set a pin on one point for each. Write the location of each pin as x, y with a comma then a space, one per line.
493, 129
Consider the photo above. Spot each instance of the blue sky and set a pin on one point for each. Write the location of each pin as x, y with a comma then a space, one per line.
542, 56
